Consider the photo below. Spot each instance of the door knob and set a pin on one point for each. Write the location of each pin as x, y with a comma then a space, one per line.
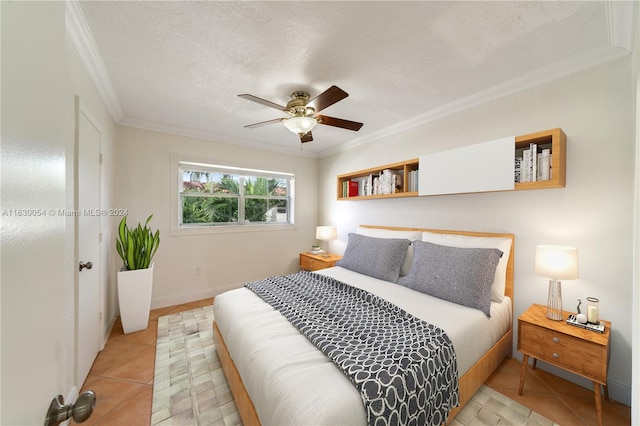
80, 411
87, 265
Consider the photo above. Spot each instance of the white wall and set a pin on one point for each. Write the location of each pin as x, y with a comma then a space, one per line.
594, 212
225, 259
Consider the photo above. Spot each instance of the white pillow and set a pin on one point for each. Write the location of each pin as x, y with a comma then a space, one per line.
503, 244
390, 233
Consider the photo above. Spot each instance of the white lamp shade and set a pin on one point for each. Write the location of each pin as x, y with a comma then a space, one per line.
326, 233
300, 124
557, 262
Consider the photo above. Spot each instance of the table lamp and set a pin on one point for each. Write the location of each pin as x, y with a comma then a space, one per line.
326, 233
556, 263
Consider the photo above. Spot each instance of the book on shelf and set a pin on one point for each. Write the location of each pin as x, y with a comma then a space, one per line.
352, 189
598, 328
533, 166
544, 167
413, 181
534, 161
525, 167
389, 181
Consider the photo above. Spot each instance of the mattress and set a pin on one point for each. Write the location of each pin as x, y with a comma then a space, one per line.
291, 382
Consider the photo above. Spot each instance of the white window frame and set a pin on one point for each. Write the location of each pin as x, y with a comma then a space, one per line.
177, 228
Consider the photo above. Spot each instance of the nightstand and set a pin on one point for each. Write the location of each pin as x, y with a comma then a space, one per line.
314, 262
580, 351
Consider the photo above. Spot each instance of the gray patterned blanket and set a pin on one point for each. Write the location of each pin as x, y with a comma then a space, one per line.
404, 368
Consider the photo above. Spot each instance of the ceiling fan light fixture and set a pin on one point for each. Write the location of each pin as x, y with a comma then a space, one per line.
300, 125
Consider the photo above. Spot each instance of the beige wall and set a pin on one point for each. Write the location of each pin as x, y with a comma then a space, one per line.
594, 212
225, 259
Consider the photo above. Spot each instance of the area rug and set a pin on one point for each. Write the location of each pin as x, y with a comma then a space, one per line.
189, 386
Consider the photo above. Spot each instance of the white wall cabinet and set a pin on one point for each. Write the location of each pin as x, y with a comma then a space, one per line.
482, 167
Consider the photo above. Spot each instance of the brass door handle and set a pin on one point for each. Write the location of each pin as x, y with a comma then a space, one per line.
87, 265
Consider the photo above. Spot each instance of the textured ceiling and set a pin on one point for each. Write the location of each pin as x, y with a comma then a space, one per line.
179, 66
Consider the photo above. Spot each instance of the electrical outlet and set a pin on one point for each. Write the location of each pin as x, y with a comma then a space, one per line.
197, 270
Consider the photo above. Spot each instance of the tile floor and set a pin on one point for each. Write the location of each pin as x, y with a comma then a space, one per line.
122, 377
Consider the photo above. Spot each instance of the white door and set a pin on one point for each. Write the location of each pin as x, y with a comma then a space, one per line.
89, 313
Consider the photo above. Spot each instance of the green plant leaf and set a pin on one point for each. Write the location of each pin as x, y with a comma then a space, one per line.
137, 246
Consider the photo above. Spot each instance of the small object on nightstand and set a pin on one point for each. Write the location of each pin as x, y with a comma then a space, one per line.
574, 320
316, 249
592, 310
580, 317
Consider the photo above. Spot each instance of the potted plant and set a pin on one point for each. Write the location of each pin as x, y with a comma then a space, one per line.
136, 246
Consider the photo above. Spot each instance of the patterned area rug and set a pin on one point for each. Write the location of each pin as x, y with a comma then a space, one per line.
189, 387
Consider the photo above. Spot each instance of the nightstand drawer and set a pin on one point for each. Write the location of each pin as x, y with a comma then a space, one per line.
310, 264
578, 355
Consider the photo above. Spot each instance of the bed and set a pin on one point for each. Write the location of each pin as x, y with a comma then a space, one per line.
278, 376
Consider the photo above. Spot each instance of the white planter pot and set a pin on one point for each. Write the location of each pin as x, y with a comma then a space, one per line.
134, 298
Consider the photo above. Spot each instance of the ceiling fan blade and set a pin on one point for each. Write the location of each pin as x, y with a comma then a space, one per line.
339, 122
262, 101
327, 98
264, 123
306, 137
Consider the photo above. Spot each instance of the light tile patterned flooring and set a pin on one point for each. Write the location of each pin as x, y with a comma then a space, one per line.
122, 377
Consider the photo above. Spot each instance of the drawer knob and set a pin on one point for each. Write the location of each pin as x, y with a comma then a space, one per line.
555, 355
556, 340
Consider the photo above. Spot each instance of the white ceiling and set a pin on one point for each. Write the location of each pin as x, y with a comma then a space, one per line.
178, 66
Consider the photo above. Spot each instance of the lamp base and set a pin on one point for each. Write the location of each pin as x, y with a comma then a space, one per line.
554, 301
325, 252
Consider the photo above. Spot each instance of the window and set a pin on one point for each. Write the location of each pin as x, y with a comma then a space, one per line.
212, 195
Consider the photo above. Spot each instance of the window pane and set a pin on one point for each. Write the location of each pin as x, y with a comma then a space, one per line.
266, 210
278, 212
257, 185
210, 182
209, 210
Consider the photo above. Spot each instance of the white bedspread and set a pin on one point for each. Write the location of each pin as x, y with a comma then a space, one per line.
292, 383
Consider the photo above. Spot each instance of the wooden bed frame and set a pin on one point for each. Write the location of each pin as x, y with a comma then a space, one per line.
468, 383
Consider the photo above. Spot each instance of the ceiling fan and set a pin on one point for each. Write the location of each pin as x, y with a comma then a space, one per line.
303, 113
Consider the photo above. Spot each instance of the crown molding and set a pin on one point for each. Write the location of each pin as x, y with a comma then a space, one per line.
621, 19
80, 36
212, 137
543, 75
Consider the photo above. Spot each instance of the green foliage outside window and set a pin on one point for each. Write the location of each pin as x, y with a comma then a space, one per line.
216, 198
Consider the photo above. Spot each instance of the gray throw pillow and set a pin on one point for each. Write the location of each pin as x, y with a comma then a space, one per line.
460, 275
376, 257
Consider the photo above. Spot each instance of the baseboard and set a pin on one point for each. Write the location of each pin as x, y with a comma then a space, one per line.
179, 299
108, 332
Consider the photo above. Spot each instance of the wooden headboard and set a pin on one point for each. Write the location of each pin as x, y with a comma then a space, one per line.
508, 291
